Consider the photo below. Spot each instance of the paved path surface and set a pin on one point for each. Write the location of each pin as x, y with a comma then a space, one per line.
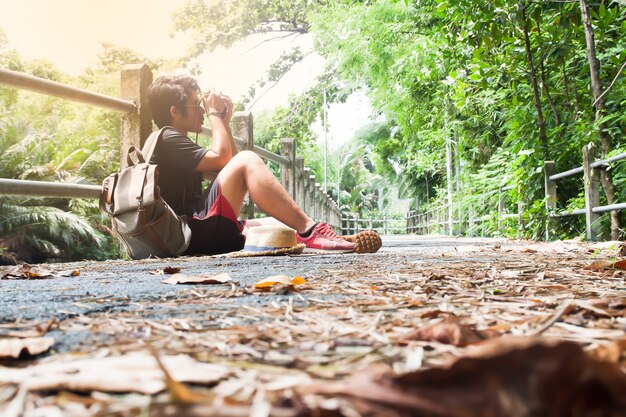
103, 286
135, 288
420, 302
123, 286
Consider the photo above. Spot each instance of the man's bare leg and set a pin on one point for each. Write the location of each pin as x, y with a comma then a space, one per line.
247, 172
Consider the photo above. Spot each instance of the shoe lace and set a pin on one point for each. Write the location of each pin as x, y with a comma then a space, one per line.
325, 230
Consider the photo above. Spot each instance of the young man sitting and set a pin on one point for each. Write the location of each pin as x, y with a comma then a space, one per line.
175, 101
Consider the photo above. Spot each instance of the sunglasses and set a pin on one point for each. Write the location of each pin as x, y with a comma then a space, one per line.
198, 106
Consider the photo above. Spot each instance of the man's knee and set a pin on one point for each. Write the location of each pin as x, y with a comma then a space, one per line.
247, 158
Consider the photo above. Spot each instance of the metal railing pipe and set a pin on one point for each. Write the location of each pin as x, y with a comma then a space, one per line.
612, 207
48, 189
564, 174
262, 152
53, 88
576, 212
607, 161
579, 170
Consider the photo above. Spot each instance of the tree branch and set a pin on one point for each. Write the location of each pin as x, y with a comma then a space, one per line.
273, 38
610, 86
273, 85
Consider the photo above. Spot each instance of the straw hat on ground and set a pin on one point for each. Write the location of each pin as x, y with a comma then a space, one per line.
269, 241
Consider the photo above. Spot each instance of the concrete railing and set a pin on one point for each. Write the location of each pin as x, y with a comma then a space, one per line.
351, 223
434, 219
591, 171
137, 125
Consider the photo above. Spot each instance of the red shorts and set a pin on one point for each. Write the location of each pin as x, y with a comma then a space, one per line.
214, 225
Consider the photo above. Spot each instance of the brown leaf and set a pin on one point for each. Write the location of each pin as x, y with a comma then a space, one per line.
609, 352
27, 271
450, 332
14, 348
612, 306
516, 376
132, 372
184, 279
38, 331
600, 264
178, 391
171, 270
269, 282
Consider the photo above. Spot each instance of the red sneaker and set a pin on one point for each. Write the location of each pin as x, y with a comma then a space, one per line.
367, 241
323, 239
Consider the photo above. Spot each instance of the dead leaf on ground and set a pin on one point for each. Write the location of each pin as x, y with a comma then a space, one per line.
38, 331
27, 271
177, 390
267, 283
609, 352
600, 264
185, 279
608, 248
14, 347
133, 372
530, 376
449, 332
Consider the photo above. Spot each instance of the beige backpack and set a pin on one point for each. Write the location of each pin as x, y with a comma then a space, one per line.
141, 219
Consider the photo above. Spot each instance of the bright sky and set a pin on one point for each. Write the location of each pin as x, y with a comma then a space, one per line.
68, 33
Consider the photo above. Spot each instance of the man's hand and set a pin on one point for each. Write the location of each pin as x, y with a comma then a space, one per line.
213, 103
227, 114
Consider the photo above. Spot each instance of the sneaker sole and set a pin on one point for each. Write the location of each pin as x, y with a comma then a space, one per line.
312, 250
367, 241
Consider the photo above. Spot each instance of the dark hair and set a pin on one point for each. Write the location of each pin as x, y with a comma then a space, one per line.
167, 91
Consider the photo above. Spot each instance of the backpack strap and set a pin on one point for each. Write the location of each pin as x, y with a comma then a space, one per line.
151, 142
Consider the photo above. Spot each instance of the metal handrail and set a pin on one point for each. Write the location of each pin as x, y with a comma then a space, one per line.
580, 170
262, 152
48, 189
53, 88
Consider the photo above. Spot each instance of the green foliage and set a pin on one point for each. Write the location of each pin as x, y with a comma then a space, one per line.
50, 139
214, 23
451, 72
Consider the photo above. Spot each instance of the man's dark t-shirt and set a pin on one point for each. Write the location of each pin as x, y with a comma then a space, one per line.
177, 157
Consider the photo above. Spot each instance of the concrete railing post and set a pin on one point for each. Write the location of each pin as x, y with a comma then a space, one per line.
470, 219
551, 199
136, 125
592, 191
520, 212
243, 127
288, 172
300, 181
501, 208
317, 201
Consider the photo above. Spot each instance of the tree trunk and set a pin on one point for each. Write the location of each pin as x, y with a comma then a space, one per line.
543, 137
546, 91
568, 93
605, 139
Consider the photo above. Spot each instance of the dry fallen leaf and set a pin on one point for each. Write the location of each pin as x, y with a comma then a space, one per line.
184, 279
13, 348
450, 332
27, 271
177, 390
171, 270
517, 376
600, 264
133, 372
621, 264
279, 279
609, 352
